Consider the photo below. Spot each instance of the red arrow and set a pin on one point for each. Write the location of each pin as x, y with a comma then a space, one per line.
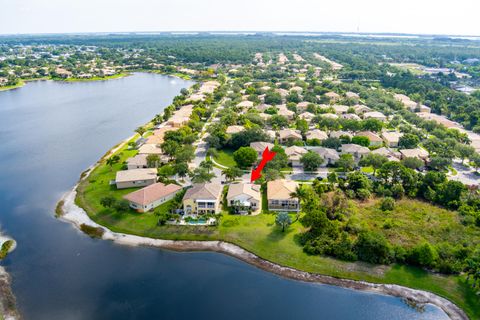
267, 155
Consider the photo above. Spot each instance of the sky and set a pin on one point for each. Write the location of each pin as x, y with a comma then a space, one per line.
459, 17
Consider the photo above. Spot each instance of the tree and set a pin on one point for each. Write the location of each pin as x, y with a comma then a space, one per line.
463, 151
374, 248
113, 160
108, 201
302, 125
232, 173
170, 147
440, 163
373, 160
476, 161
122, 205
201, 175
372, 125
335, 204
153, 160
212, 152
311, 161
141, 131
346, 162
412, 163
408, 141
245, 157
207, 165
332, 143
361, 140
283, 220
181, 169
278, 121
424, 255
356, 180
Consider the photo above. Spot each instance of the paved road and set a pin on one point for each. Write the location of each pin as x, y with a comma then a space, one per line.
466, 175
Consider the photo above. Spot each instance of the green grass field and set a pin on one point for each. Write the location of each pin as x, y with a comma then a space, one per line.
225, 158
413, 220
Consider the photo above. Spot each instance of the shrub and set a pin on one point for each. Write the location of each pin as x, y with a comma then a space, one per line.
94, 232
387, 204
122, 205
424, 255
374, 248
363, 194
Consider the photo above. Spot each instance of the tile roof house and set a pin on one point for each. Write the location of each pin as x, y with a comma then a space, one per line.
278, 196
390, 154
307, 116
302, 106
150, 149
135, 178
245, 104
260, 147
374, 115
286, 135
355, 150
294, 154
352, 95
340, 109
316, 134
203, 198
338, 134
152, 196
244, 197
360, 109
235, 129
332, 96
414, 153
391, 138
283, 111
375, 140
330, 156
137, 162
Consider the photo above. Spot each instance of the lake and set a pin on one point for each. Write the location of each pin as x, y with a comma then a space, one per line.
50, 132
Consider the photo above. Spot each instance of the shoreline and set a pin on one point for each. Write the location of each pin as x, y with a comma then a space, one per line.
76, 216
23, 82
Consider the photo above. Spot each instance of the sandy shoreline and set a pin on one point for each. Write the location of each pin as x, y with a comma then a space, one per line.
77, 216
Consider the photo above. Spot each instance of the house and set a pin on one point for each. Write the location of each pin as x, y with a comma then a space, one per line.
302, 106
350, 116
361, 109
374, 115
339, 134
265, 116
244, 197
271, 134
316, 134
332, 96
284, 112
340, 109
203, 198
137, 162
150, 149
414, 153
355, 150
329, 115
245, 104
286, 135
391, 138
390, 154
260, 147
135, 178
307, 116
330, 156
352, 95
279, 196
375, 140
152, 196
294, 154
234, 129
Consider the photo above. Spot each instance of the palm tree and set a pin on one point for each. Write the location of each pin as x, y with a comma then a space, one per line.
300, 193
207, 164
141, 131
112, 160
231, 173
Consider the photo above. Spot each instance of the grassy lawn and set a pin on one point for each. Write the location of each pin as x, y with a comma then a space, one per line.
367, 169
225, 158
21, 83
413, 221
115, 76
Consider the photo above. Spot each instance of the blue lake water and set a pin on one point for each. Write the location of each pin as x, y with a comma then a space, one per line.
49, 133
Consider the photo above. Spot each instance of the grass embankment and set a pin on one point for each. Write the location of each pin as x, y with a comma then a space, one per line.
20, 84
5, 248
413, 220
115, 76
